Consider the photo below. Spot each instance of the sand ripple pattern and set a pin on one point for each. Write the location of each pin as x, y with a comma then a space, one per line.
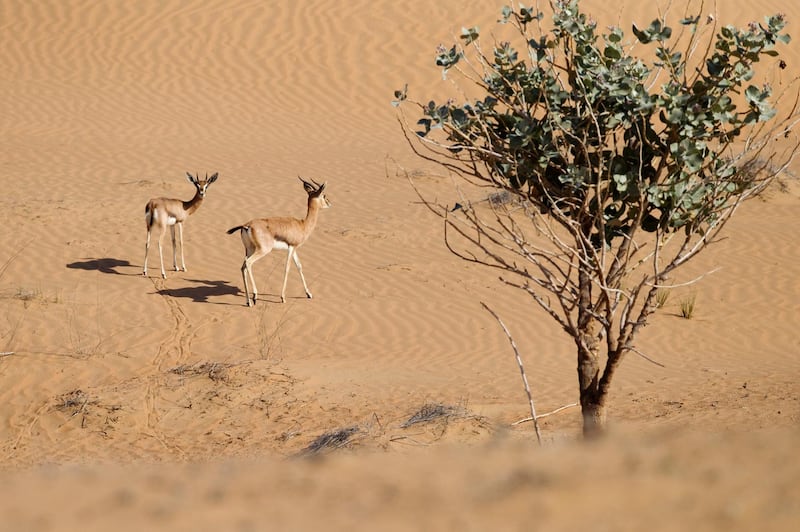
105, 105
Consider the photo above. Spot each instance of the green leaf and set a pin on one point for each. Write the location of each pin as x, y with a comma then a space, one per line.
643, 36
728, 32
752, 94
621, 182
469, 35
426, 123
447, 59
716, 65
612, 52
400, 95
650, 223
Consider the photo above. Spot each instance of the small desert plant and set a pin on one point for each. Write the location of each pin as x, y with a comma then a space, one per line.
28, 295
688, 306
662, 295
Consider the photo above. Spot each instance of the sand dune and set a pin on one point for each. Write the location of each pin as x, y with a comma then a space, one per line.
105, 373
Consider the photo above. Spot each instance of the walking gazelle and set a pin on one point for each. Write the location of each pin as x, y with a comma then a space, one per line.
160, 213
262, 235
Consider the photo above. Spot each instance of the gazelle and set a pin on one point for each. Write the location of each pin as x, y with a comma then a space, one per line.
162, 212
262, 235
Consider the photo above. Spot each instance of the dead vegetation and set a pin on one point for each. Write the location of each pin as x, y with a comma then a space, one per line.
216, 371
93, 415
433, 421
425, 426
329, 441
73, 401
434, 412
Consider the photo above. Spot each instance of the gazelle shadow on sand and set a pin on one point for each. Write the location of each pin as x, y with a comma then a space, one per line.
104, 265
203, 291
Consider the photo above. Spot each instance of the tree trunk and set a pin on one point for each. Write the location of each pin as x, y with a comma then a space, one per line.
594, 416
592, 396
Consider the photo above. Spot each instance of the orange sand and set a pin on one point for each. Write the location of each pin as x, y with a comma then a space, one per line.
133, 403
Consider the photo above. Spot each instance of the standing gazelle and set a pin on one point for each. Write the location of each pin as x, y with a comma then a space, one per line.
262, 235
162, 212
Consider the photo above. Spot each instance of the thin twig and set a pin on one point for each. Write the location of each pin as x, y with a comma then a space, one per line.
6, 353
521, 370
646, 357
540, 416
687, 283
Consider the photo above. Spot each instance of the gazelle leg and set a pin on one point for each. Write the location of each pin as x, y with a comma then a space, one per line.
286, 273
174, 249
180, 241
245, 274
300, 269
247, 270
161, 254
146, 250
253, 282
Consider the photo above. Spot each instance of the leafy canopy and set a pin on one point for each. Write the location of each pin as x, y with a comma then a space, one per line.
588, 132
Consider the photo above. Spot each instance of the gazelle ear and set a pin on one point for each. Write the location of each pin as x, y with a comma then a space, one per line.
191, 179
213, 178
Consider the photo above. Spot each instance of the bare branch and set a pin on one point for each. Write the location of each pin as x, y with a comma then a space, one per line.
521, 369
546, 414
659, 364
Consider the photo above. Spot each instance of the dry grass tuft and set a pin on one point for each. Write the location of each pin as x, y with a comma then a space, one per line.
331, 440
433, 412
662, 295
688, 307
34, 295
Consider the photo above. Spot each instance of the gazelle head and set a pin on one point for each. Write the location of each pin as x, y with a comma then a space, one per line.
201, 185
316, 192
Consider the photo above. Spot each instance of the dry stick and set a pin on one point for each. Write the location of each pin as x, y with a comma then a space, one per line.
646, 357
521, 370
540, 416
